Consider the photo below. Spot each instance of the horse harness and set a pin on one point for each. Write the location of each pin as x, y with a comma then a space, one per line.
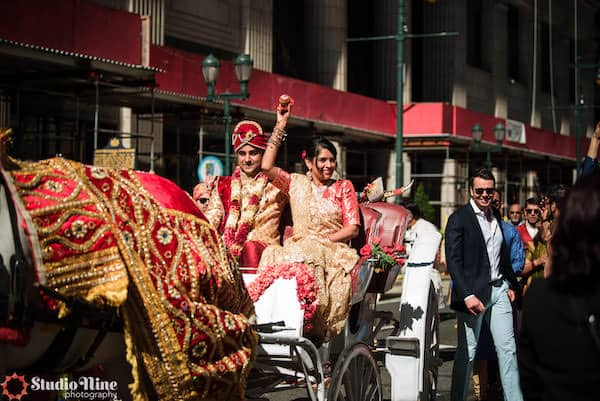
17, 312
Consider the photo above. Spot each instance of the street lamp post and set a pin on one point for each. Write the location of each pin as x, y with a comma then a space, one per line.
400, 37
243, 70
478, 147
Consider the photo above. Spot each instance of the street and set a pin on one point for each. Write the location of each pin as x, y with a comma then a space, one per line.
391, 302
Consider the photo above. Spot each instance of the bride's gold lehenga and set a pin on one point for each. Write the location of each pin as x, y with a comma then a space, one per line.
316, 213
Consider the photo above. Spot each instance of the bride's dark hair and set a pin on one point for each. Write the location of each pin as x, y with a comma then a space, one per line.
317, 145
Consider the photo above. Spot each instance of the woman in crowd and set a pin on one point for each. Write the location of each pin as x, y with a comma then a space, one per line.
326, 217
559, 352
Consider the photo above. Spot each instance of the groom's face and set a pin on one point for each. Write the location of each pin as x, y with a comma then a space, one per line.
249, 159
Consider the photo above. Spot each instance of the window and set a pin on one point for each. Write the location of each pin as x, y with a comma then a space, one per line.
360, 70
356, 168
288, 47
427, 170
512, 44
475, 33
545, 76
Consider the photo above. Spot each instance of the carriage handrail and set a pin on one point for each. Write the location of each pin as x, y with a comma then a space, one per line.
310, 348
272, 327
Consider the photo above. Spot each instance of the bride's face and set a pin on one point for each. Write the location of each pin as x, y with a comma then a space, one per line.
322, 166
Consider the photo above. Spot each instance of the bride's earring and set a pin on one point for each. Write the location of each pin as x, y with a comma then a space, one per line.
336, 175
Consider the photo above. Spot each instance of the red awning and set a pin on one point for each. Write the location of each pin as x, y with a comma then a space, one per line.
183, 74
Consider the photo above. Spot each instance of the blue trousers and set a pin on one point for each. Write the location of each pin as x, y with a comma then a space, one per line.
498, 314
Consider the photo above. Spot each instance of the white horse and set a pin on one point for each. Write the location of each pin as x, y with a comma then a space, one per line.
52, 348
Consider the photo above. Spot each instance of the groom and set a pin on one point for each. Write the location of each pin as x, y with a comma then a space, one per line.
245, 207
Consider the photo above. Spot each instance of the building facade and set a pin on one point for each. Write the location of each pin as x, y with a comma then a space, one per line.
70, 83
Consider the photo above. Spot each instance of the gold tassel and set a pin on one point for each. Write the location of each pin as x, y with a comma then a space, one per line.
8, 163
135, 387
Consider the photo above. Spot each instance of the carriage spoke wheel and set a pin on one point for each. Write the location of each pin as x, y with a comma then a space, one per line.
356, 376
432, 360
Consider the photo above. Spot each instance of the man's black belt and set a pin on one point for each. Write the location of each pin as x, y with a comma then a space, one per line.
497, 282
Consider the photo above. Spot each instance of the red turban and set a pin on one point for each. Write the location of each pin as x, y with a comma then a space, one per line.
248, 133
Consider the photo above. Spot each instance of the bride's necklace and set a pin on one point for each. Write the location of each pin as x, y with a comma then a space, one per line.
319, 190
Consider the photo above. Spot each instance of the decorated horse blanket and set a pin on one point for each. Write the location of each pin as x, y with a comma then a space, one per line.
136, 240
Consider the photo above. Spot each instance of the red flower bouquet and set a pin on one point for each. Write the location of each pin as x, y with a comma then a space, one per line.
306, 289
384, 256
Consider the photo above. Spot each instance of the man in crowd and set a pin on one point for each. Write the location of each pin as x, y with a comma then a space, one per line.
533, 214
245, 207
201, 196
419, 228
511, 237
534, 241
483, 286
485, 365
514, 214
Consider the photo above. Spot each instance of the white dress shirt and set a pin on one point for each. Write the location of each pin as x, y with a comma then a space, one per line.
531, 229
492, 235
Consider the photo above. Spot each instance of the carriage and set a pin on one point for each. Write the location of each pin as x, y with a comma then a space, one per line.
348, 367
286, 359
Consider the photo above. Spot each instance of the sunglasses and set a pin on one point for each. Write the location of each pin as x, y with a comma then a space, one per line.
203, 200
479, 191
514, 212
532, 211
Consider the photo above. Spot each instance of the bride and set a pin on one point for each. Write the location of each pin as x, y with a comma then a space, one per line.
326, 217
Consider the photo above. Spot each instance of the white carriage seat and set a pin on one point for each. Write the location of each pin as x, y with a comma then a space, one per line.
278, 303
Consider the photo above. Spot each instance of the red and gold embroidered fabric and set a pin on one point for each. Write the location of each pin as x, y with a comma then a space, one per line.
187, 309
80, 253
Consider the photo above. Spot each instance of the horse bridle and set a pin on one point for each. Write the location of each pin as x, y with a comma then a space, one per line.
13, 299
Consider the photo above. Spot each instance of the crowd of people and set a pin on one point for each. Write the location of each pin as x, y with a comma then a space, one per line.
526, 290
547, 350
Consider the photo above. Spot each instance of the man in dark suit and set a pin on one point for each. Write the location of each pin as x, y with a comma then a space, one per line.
483, 286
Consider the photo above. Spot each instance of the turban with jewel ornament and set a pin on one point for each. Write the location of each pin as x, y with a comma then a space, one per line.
248, 133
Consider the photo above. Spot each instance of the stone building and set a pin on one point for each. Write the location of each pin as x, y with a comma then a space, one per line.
74, 73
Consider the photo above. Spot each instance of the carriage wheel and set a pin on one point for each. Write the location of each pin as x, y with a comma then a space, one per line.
432, 360
356, 376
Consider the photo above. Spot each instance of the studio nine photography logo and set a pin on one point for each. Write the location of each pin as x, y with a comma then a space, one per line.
17, 387
14, 387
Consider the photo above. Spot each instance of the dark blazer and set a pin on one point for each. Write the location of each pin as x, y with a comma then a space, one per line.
558, 359
467, 259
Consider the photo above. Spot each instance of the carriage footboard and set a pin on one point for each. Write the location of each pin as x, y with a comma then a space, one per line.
302, 367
